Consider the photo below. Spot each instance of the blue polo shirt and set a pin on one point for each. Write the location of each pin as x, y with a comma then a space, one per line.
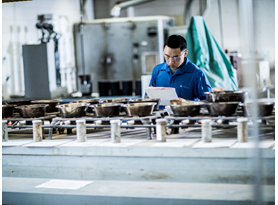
189, 81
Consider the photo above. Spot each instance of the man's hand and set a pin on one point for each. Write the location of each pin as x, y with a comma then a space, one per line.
182, 100
178, 100
218, 89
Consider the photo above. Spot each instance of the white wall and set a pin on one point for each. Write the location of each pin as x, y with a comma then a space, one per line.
18, 28
19, 19
234, 30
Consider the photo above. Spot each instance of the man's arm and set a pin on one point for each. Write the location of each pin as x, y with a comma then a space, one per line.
203, 85
154, 76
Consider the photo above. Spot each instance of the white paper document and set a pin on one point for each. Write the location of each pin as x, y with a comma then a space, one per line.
64, 184
164, 93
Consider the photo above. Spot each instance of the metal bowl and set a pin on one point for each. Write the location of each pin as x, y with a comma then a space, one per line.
187, 108
73, 109
18, 103
222, 108
264, 108
51, 104
226, 96
90, 101
34, 110
150, 100
139, 109
117, 100
7, 110
106, 109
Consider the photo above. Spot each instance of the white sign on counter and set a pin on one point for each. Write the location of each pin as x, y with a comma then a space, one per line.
164, 93
64, 184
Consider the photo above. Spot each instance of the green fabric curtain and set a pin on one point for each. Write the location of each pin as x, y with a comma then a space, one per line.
204, 51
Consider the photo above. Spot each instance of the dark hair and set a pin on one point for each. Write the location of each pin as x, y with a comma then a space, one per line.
176, 41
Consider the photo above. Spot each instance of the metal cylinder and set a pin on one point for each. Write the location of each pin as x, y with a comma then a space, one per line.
81, 130
115, 131
130, 122
98, 122
206, 130
5, 130
69, 130
242, 130
161, 130
37, 130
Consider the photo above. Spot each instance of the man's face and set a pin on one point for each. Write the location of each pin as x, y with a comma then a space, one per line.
174, 56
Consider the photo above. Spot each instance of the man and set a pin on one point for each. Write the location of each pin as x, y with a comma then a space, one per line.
178, 72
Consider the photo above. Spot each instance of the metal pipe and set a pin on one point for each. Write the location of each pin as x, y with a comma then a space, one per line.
187, 10
37, 130
141, 126
116, 9
81, 130
206, 130
5, 130
220, 22
242, 130
160, 130
82, 36
200, 6
115, 131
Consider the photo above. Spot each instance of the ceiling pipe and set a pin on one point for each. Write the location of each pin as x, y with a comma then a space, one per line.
188, 13
116, 10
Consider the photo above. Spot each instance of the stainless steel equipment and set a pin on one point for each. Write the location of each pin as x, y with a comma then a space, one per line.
35, 110
7, 110
40, 72
106, 109
85, 85
226, 96
188, 108
120, 49
90, 101
51, 104
73, 109
139, 109
222, 108
264, 108
117, 100
144, 100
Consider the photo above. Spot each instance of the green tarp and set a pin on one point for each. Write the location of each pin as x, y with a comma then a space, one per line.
204, 51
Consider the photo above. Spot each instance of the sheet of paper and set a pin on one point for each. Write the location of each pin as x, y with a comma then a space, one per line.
176, 143
215, 143
64, 184
164, 93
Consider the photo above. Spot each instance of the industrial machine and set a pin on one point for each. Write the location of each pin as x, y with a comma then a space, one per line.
118, 51
48, 65
39, 72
